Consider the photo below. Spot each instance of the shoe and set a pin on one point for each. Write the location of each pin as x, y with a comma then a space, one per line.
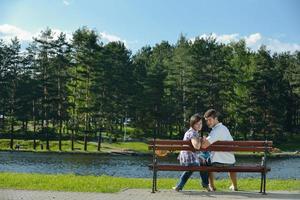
208, 189
212, 188
232, 188
176, 189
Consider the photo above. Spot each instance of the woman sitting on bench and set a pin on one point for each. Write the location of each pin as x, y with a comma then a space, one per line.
189, 158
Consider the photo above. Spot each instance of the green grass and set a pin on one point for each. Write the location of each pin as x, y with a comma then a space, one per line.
142, 147
110, 184
79, 145
134, 146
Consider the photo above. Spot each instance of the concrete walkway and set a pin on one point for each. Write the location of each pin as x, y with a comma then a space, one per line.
141, 194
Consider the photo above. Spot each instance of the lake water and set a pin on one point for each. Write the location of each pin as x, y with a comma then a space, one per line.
123, 166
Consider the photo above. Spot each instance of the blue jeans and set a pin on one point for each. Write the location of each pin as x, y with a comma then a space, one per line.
186, 175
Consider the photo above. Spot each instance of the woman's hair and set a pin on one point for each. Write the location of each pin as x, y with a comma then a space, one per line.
195, 119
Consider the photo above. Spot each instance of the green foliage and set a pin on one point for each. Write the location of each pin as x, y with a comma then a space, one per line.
79, 87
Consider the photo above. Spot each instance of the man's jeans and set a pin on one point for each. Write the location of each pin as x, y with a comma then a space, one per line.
186, 175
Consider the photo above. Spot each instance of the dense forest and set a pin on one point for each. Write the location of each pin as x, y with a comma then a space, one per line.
59, 88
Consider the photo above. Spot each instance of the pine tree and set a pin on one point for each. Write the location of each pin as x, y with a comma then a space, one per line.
13, 72
61, 62
43, 52
85, 44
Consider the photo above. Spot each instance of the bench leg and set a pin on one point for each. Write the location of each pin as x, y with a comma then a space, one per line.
153, 182
265, 177
261, 182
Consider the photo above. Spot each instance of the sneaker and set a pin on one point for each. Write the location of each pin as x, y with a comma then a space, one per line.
232, 188
176, 189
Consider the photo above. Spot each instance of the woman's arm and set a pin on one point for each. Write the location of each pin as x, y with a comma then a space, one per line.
196, 142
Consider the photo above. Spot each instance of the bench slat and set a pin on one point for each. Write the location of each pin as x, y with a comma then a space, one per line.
257, 168
245, 143
188, 142
210, 148
173, 142
172, 148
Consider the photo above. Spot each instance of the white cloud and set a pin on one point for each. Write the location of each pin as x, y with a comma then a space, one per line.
109, 37
277, 46
225, 38
7, 32
228, 38
112, 38
253, 39
66, 2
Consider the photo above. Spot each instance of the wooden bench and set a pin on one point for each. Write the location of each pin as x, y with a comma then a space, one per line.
226, 146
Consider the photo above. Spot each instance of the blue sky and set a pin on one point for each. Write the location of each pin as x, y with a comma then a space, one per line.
146, 22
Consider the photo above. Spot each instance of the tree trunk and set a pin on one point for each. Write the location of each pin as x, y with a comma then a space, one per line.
85, 142
60, 129
2, 122
72, 140
26, 126
34, 135
99, 141
170, 131
34, 125
23, 125
11, 133
47, 137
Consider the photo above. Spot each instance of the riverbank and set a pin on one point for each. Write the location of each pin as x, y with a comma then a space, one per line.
118, 148
110, 184
130, 152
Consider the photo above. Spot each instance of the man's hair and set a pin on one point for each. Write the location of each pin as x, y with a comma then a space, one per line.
212, 113
195, 119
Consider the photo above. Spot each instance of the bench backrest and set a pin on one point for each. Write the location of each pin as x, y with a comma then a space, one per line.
179, 145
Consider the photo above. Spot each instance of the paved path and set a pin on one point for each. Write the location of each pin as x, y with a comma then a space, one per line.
141, 194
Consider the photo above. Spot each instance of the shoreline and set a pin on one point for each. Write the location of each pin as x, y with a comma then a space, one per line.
136, 153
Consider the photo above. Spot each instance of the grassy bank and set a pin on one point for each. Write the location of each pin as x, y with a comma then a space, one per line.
139, 147
27, 145
110, 184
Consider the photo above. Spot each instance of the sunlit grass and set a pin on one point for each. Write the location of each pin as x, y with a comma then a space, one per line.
78, 145
110, 184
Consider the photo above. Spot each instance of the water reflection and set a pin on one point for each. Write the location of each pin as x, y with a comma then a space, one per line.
124, 166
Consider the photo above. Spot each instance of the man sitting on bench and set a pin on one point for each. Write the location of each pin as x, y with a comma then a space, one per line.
219, 132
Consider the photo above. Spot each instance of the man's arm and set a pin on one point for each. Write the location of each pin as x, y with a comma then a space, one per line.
205, 143
200, 142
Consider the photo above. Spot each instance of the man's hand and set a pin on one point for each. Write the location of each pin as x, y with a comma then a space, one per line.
202, 139
204, 143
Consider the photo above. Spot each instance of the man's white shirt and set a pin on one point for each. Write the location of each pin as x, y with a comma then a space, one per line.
220, 133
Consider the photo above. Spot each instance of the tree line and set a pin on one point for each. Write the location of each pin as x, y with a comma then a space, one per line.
60, 88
